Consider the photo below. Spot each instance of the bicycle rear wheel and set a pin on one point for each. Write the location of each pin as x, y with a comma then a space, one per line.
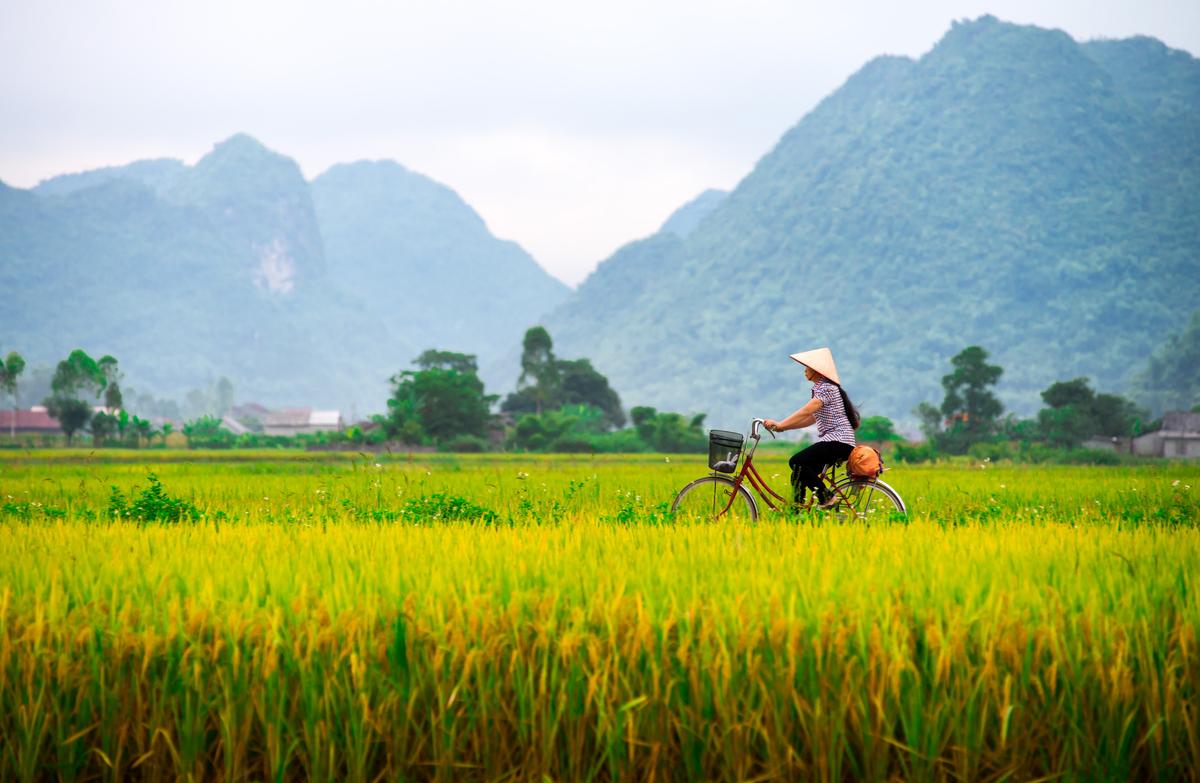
868, 500
709, 498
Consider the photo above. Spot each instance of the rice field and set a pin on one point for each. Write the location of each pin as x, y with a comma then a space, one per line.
284, 616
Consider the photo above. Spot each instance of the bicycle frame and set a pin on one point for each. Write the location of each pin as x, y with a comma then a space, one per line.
749, 474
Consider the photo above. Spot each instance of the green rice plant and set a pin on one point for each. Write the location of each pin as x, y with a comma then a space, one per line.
152, 504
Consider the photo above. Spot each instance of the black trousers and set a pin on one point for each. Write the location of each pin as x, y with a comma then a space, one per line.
807, 465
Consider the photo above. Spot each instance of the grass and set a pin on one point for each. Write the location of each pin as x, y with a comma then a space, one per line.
482, 618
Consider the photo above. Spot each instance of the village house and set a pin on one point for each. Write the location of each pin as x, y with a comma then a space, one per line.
1178, 438
301, 421
35, 421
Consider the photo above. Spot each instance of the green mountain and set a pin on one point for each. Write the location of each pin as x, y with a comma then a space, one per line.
422, 259
684, 220
1011, 188
188, 273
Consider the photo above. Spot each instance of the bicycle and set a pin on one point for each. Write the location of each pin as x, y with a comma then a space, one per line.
719, 496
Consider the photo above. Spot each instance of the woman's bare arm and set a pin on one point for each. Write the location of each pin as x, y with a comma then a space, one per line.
804, 417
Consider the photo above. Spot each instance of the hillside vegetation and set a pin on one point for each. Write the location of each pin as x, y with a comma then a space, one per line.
1012, 188
237, 267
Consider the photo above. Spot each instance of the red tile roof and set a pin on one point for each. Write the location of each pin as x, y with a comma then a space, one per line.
29, 421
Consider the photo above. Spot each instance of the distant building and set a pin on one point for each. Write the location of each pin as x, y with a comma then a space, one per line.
35, 421
1178, 438
301, 421
249, 410
233, 425
249, 415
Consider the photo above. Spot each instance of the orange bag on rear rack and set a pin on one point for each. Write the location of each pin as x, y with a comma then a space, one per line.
865, 462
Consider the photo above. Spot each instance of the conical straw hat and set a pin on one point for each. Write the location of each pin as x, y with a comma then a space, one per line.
821, 360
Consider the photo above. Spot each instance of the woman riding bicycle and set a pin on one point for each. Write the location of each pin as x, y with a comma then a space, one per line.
836, 419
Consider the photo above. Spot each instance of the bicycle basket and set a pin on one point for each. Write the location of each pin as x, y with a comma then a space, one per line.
724, 450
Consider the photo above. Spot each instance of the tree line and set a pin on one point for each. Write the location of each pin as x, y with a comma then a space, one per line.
970, 418
79, 383
559, 404
567, 405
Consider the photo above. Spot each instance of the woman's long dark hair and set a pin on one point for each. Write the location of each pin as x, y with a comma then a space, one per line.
851, 411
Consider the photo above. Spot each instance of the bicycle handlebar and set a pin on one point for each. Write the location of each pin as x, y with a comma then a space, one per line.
754, 428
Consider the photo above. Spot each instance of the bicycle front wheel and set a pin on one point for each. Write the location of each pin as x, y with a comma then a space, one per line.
715, 497
868, 500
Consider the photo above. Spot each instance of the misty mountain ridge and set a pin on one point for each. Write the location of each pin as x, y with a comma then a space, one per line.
381, 221
684, 220
1011, 188
187, 273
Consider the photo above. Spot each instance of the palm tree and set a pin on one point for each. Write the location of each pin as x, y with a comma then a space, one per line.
10, 369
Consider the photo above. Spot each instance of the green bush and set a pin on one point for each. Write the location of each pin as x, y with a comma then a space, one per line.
464, 444
152, 504
1038, 453
626, 441
440, 507
206, 432
915, 452
572, 444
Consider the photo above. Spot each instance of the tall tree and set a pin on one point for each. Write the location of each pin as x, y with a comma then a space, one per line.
440, 401
107, 366
969, 406
77, 374
1074, 413
433, 359
1116, 416
547, 383
930, 417
539, 369
581, 384
11, 368
1066, 420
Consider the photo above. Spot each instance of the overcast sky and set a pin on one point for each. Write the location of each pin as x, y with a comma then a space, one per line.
571, 128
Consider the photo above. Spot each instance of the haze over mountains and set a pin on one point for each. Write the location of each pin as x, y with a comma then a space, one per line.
300, 293
1012, 188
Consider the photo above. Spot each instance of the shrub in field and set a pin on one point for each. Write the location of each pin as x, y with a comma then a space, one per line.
572, 445
915, 452
440, 507
152, 504
670, 432
1038, 453
625, 441
567, 429
206, 432
464, 444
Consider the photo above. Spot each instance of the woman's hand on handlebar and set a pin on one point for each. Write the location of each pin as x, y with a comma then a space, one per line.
768, 424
